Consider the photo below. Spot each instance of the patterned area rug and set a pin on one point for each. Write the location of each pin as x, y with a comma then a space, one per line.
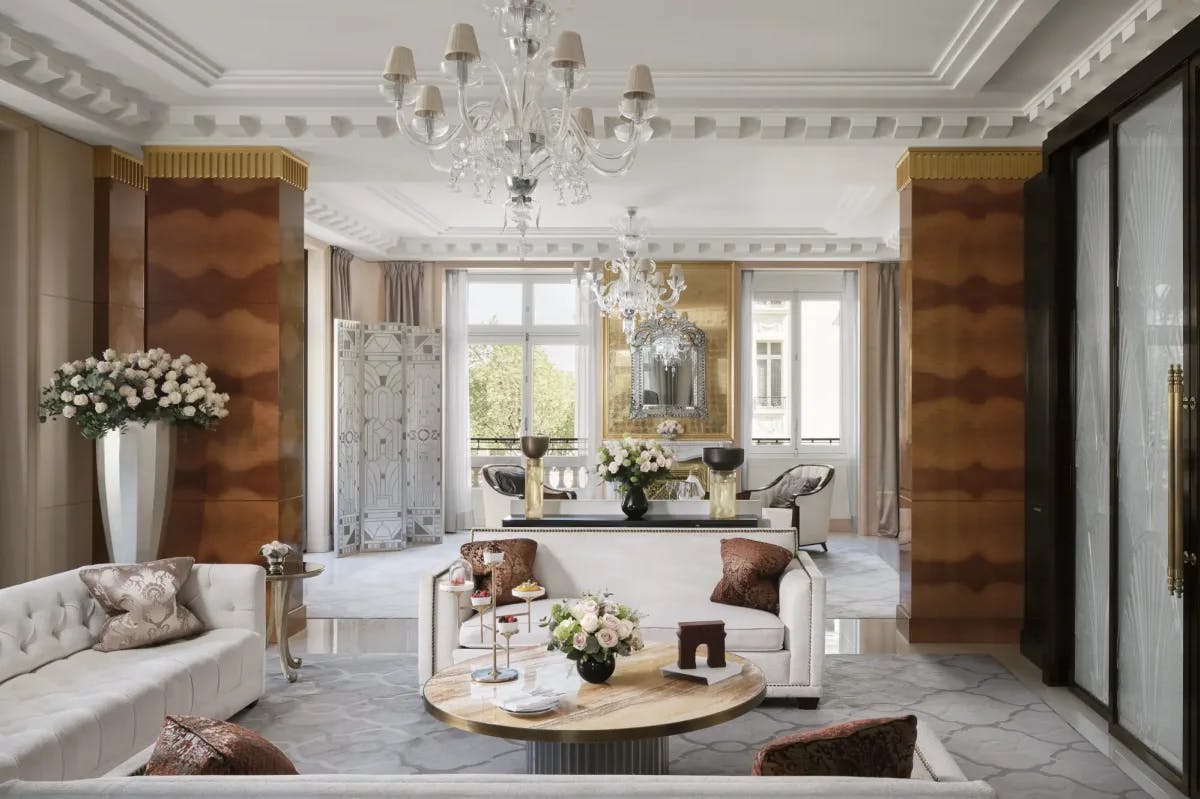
362, 714
858, 583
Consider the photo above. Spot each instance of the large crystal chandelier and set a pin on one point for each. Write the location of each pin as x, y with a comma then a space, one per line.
514, 134
637, 292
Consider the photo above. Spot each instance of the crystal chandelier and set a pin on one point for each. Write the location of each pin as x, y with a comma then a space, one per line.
637, 292
514, 135
673, 338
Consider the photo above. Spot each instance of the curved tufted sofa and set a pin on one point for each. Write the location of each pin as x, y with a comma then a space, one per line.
69, 712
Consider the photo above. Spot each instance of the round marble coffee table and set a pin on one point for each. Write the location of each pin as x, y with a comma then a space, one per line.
620, 727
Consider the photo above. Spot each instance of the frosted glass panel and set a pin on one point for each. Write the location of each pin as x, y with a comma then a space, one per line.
1150, 302
1092, 425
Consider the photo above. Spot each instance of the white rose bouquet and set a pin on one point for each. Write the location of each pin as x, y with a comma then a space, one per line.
669, 429
593, 627
633, 462
106, 393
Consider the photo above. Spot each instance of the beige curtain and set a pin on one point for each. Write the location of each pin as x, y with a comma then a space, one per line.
402, 286
339, 278
881, 444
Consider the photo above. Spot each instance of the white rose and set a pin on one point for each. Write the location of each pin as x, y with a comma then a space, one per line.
185, 359
68, 411
101, 407
191, 370
577, 610
177, 364
77, 381
590, 606
580, 641
67, 369
109, 354
67, 396
624, 628
103, 367
609, 621
132, 402
614, 467
90, 362
175, 397
607, 638
155, 372
163, 401
80, 399
108, 385
143, 363
589, 622
148, 392
189, 410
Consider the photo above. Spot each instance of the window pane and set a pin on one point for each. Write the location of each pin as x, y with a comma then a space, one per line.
491, 303
771, 424
820, 371
555, 373
494, 377
556, 303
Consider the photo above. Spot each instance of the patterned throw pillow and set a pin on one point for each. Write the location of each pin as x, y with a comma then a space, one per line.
866, 748
140, 600
516, 568
751, 571
199, 746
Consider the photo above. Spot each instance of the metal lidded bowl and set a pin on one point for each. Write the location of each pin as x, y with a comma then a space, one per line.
724, 459
535, 446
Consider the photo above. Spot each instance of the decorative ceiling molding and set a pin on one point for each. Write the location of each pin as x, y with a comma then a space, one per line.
1130, 39
189, 124
363, 239
28, 63
142, 30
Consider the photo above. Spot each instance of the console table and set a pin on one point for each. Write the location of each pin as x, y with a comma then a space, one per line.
617, 520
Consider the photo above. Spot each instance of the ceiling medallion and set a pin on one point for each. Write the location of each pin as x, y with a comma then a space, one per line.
638, 292
505, 132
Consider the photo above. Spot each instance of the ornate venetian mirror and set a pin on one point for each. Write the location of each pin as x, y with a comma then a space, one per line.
667, 368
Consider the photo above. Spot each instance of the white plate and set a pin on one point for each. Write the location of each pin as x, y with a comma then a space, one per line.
520, 705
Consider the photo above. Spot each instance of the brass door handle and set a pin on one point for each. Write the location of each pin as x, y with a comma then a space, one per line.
1174, 481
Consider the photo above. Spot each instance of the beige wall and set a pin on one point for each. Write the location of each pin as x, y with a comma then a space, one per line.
49, 470
366, 290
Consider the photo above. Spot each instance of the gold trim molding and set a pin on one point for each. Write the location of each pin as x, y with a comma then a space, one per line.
967, 163
251, 163
118, 165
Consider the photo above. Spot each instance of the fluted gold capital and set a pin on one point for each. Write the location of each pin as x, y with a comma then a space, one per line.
967, 163
254, 163
109, 162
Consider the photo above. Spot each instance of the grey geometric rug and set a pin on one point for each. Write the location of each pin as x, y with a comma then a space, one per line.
362, 714
858, 583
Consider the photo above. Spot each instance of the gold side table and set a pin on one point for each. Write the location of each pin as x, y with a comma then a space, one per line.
281, 589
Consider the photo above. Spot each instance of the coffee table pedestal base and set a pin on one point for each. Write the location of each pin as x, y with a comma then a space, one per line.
641, 756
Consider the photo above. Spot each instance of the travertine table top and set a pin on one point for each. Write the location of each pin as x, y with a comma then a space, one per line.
636, 702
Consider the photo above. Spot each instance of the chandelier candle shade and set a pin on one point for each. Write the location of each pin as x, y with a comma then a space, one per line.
517, 123
534, 448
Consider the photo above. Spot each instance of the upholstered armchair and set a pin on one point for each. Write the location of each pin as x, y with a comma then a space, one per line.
801, 497
504, 482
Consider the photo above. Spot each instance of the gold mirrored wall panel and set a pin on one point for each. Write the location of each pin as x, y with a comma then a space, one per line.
710, 303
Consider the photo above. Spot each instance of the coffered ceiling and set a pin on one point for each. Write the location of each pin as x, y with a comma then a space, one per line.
780, 120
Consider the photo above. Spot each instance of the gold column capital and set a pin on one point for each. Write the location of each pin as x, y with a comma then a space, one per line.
251, 163
118, 165
967, 163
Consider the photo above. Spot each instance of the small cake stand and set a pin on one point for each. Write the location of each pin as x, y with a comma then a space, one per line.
508, 630
481, 606
529, 596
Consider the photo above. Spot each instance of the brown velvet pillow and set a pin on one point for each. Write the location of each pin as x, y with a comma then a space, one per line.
865, 748
141, 601
751, 571
199, 746
517, 567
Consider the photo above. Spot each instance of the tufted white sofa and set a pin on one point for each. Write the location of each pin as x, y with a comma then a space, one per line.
667, 575
68, 712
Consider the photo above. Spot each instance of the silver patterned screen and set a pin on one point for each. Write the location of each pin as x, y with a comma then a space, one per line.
387, 435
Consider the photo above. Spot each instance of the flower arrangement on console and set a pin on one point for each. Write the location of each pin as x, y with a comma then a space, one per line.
592, 631
105, 393
632, 464
669, 429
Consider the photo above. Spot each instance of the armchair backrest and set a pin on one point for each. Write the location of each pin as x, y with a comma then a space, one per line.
803, 479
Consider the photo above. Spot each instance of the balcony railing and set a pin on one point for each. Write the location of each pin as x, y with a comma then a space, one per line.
559, 447
565, 463
769, 402
786, 440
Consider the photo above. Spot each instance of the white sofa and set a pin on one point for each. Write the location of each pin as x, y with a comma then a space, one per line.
667, 575
69, 712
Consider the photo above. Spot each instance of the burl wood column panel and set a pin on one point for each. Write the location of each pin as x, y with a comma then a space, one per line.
225, 284
962, 406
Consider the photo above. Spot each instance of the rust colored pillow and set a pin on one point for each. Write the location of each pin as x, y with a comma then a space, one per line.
751, 571
516, 568
866, 748
192, 745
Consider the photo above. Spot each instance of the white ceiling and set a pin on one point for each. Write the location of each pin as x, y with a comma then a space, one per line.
781, 120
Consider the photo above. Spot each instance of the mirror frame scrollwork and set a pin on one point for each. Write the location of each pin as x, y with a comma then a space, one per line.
639, 345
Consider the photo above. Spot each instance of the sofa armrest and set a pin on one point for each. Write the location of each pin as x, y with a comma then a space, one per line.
778, 518
228, 596
802, 611
439, 616
933, 756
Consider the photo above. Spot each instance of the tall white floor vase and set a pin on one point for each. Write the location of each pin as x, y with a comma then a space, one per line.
136, 468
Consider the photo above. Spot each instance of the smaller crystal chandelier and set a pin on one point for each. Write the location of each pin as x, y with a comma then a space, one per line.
638, 292
673, 338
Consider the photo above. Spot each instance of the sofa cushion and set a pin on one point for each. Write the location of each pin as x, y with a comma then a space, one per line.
84, 714
142, 602
746, 629
751, 571
517, 567
201, 746
864, 748
44, 620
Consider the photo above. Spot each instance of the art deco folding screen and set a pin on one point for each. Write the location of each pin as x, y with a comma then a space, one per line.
387, 436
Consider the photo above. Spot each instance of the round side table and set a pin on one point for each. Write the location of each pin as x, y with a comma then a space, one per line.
281, 589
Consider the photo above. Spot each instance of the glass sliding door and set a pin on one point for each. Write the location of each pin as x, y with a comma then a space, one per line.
1150, 173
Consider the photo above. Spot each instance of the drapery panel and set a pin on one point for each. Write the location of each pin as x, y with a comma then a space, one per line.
403, 282
881, 450
339, 261
456, 426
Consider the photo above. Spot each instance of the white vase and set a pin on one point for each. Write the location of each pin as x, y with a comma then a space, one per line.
135, 468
